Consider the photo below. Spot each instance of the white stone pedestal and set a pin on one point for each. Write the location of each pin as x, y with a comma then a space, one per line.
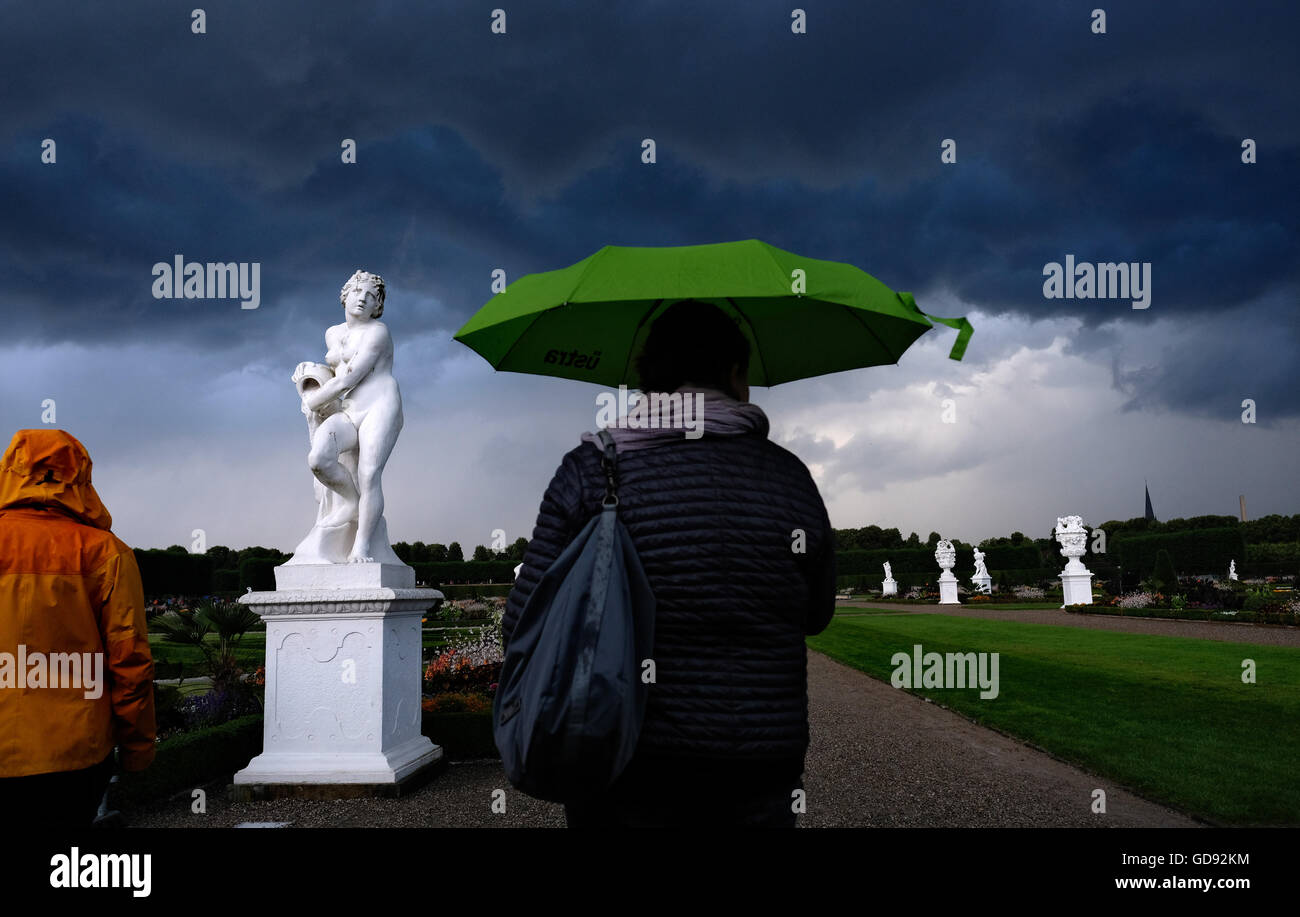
983, 583
889, 587
948, 588
343, 674
1077, 585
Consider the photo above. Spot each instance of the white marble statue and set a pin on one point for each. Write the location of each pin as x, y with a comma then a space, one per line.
344, 596
1232, 569
354, 413
889, 586
981, 580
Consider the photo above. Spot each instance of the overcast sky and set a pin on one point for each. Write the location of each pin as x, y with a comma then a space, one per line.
522, 151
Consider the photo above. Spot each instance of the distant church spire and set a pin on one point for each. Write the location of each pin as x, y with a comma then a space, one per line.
1151, 514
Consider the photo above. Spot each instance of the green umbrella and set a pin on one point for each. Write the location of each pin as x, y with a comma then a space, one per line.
588, 321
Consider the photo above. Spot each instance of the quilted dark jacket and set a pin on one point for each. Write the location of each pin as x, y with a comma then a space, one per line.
713, 521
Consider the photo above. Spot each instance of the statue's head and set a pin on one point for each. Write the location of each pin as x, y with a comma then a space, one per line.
365, 282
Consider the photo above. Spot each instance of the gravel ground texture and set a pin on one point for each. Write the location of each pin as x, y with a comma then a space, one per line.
879, 758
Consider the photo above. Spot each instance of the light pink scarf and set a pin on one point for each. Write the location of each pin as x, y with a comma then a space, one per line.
722, 415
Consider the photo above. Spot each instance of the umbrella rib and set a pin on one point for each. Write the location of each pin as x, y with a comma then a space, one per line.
511, 349
537, 317
628, 362
767, 250
758, 347
870, 330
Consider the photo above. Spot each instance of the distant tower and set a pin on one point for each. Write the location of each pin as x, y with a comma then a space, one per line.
1242, 498
1150, 513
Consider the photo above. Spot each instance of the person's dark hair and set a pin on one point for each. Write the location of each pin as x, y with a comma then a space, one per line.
691, 341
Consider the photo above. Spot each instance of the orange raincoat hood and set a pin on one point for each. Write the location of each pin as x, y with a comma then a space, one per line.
51, 468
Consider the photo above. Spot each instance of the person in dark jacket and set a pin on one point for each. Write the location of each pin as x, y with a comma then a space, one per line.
738, 548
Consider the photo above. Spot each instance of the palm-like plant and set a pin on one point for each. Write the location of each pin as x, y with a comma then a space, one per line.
229, 620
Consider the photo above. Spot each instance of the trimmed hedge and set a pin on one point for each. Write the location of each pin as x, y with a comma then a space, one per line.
1023, 577
168, 573
191, 760
902, 560
259, 573
469, 571
1012, 557
461, 735
1286, 554
474, 590
225, 580
1193, 551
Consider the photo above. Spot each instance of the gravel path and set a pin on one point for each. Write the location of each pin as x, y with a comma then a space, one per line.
879, 758
1264, 634
883, 758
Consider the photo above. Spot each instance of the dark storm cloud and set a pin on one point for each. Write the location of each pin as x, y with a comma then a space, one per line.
480, 151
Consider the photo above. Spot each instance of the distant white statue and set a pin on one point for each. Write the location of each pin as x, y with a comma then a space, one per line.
890, 585
1232, 569
981, 580
354, 413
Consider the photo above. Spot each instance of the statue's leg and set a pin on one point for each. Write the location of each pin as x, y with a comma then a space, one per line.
333, 437
377, 436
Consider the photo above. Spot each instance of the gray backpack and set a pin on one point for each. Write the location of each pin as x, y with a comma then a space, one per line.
570, 700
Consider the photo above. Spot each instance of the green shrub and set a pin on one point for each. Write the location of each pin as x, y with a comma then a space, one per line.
461, 735
191, 760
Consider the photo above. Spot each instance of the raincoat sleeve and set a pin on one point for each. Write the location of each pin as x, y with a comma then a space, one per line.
129, 662
556, 527
820, 576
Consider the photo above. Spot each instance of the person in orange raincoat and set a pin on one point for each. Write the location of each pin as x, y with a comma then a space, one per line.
76, 674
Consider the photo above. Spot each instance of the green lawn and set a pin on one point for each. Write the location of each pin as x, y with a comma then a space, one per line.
1166, 716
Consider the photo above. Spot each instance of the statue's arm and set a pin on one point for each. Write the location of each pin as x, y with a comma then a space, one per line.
348, 377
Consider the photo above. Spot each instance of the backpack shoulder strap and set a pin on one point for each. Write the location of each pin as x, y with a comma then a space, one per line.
609, 464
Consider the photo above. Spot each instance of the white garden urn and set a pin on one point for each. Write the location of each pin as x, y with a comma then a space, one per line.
946, 556
1076, 580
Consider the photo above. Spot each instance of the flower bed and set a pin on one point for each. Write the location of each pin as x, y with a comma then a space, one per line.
1286, 617
460, 683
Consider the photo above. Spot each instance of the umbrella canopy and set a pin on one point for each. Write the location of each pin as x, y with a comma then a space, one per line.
804, 317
